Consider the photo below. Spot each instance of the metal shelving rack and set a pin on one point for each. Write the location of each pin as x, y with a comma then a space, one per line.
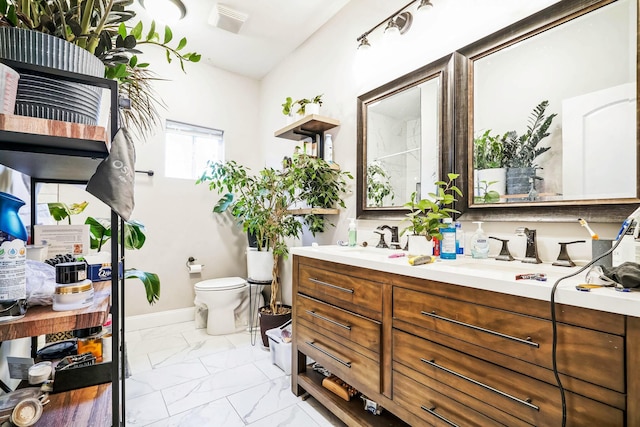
58, 159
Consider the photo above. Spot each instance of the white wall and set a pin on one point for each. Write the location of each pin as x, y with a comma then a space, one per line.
327, 64
177, 213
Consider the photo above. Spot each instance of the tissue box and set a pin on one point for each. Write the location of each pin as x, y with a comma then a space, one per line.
99, 267
280, 350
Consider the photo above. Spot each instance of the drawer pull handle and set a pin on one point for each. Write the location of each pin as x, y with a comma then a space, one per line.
325, 352
433, 412
320, 282
478, 328
326, 319
526, 402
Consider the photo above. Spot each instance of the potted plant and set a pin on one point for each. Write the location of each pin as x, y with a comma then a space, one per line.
287, 109
264, 205
100, 233
425, 215
378, 185
309, 106
520, 152
489, 174
101, 28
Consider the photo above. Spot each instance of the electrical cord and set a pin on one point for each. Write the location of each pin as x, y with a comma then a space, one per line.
554, 321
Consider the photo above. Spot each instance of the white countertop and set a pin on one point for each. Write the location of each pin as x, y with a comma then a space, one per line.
488, 274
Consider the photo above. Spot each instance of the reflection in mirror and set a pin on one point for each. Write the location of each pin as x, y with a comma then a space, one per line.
554, 115
402, 144
400, 137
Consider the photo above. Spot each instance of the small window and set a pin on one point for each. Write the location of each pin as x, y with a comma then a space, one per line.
189, 148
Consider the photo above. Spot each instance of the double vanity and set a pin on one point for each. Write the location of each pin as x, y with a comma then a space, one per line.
462, 342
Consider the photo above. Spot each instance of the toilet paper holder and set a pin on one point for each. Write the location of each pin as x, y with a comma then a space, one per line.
193, 268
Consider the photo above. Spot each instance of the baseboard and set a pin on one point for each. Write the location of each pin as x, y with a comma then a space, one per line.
161, 318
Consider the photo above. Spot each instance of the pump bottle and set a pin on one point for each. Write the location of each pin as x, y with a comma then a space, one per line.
479, 243
353, 232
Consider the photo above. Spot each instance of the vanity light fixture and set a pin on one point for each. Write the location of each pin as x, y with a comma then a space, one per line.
424, 6
165, 10
398, 23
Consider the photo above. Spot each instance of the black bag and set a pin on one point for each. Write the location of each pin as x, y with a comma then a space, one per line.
627, 274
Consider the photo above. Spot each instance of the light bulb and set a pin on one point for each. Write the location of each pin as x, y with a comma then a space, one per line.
165, 10
392, 31
424, 6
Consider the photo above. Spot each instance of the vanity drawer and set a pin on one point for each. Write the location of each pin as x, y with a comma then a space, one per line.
352, 327
593, 356
434, 407
356, 294
511, 394
351, 366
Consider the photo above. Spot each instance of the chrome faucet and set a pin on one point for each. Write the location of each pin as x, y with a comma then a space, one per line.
531, 253
395, 242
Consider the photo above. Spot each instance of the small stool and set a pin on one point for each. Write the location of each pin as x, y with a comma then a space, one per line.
254, 283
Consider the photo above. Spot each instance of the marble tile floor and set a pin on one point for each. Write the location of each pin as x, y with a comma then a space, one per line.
180, 376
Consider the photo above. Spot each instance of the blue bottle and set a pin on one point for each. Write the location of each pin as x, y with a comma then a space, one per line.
448, 243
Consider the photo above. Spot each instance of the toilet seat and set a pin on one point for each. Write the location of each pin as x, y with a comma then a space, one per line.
221, 284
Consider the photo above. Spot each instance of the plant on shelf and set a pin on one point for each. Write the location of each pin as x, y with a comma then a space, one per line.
488, 167
520, 152
263, 203
287, 106
378, 184
103, 28
304, 102
426, 215
100, 233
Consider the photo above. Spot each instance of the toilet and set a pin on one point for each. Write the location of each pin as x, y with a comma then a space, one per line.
227, 303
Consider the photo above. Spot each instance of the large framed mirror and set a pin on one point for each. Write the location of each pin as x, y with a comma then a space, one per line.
404, 139
551, 128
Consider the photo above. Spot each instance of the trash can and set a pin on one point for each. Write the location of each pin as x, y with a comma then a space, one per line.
279, 349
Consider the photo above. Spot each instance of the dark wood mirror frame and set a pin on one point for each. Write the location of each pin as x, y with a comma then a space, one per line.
597, 210
443, 68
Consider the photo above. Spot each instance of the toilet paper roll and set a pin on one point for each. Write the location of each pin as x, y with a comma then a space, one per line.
195, 268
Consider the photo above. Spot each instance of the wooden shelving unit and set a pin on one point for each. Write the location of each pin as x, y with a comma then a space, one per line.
41, 320
307, 127
351, 412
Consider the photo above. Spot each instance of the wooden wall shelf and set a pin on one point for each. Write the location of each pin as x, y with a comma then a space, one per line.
307, 127
41, 320
314, 211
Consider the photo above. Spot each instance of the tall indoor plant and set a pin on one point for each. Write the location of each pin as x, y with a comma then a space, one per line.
264, 204
104, 28
426, 215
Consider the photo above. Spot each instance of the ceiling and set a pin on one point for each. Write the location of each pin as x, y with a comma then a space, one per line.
273, 29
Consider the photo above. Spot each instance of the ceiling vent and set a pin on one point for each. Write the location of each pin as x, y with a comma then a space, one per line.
227, 19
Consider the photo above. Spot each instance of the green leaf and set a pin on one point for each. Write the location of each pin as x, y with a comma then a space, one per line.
122, 30
130, 42
168, 56
137, 31
58, 211
12, 16
133, 61
151, 283
168, 35
152, 31
182, 44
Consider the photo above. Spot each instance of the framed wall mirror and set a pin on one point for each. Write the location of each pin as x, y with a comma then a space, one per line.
551, 128
404, 144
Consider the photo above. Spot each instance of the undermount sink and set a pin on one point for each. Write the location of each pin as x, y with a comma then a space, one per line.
510, 267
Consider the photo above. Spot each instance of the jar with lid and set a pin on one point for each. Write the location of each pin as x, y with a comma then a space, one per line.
90, 341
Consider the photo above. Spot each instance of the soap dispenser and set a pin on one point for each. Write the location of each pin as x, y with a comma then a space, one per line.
479, 243
353, 232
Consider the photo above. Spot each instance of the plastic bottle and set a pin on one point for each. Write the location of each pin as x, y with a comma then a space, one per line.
479, 243
328, 148
459, 239
353, 232
448, 244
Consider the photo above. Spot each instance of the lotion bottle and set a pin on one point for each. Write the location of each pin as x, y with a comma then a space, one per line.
479, 243
353, 232
328, 148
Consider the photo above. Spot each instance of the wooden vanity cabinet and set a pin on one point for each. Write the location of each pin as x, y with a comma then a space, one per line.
434, 353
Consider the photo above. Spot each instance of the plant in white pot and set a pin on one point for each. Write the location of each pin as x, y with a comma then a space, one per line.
489, 173
425, 216
264, 206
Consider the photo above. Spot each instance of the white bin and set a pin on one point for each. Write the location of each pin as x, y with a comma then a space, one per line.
280, 350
